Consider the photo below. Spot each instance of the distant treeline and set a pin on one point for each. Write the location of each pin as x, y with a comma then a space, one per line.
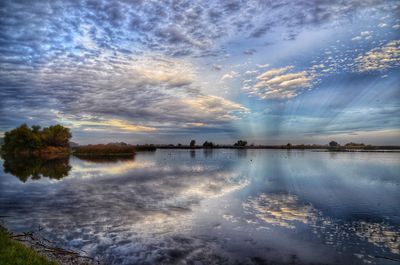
56, 139
24, 139
332, 146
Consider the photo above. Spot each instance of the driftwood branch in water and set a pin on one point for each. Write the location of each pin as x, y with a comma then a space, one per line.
45, 246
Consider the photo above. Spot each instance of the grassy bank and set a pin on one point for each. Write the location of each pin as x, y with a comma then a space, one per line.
15, 253
110, 149
104, 150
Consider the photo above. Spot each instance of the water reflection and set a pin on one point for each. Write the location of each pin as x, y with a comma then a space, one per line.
208, 152
287, 211
35, 168
280, 209
218, 207
242, 153
379, 235
105, 159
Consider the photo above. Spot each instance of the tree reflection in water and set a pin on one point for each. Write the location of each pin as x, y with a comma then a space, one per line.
55, 166
35, 167
106, 159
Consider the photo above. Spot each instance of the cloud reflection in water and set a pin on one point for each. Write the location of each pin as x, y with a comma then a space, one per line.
212, 207
287, 211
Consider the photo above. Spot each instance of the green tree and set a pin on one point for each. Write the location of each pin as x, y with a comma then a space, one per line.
333, 144
192, 143
240, 143
21, 138
25, 139
56, 135
207, 144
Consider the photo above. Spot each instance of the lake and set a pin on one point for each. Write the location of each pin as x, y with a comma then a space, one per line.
211, 206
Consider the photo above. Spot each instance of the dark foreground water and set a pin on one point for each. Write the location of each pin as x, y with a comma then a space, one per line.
212, 207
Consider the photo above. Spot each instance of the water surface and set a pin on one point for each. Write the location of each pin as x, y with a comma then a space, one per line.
212, 206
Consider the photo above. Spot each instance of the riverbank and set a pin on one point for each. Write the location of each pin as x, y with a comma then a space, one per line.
13, 252
30, 248
315, 148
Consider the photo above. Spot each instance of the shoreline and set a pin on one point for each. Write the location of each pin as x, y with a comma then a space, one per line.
319, 149
47, 249
52, 155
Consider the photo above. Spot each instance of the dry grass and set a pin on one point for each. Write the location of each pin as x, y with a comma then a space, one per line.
105, 149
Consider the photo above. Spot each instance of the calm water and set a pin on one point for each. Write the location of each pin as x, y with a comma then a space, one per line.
212, 207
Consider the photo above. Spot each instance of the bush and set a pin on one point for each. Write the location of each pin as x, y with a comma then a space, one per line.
25, 139
208, 144
146, 147
104, 149
240, 143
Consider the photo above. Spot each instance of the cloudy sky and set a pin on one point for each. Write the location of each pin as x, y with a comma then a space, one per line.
270, 72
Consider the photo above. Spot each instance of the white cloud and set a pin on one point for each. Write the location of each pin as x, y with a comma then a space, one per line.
124, 94
379, 58
230, 75
364, 35
262, 65
279, 83
211, 107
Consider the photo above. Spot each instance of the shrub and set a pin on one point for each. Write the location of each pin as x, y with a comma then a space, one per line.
104, 149
25, 139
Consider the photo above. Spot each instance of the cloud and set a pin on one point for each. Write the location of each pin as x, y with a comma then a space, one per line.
138, 61
216, 67
279, 83
306, 14
230, 75
288, 211
379, 59
164, 76
113, 123
212, 106
262, 65
124, 94
185, 28
281, 210
157, 200
249, 51
364, 35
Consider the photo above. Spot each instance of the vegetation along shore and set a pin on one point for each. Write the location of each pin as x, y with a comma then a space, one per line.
30, 248
55, 139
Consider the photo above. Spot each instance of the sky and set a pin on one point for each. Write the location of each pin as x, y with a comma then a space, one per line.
269, 72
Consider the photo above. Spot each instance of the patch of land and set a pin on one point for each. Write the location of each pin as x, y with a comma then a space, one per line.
30, 248
13, 252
